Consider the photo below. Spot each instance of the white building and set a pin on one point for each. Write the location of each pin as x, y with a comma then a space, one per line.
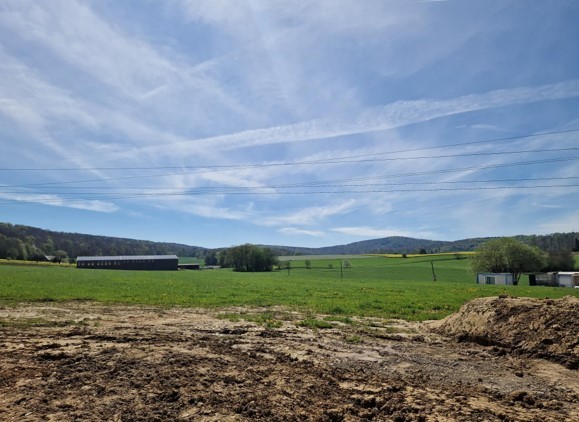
494, 278
568, 279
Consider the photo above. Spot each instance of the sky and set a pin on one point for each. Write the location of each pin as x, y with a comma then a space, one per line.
301, 123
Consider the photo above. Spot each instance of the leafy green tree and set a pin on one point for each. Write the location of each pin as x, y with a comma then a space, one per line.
507, 255
60, 256
308, 264
12, 248
248, 258
37, 256
222, 258
48, 246
560, 260
211, 258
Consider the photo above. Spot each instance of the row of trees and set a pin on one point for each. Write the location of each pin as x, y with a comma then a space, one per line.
508, 255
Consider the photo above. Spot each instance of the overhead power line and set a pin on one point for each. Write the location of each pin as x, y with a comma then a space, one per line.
303, 163
363, 158
193, 193
423, 173
107, 190
52, 192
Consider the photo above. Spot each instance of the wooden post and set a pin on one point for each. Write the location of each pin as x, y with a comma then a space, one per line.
433, 273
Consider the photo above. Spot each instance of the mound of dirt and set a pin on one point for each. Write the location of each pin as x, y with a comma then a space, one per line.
83, 361
540, 328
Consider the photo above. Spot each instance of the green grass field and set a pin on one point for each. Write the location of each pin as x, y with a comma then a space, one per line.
374, 286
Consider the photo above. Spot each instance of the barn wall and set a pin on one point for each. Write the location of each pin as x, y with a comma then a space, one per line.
130, 264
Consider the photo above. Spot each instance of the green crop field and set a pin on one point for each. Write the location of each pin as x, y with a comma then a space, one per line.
373, 286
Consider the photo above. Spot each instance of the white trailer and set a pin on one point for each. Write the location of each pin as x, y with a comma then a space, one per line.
568, 279
494, 278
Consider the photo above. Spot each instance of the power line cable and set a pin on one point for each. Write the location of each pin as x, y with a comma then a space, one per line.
336, 160
161, 190
431, 172
158, 195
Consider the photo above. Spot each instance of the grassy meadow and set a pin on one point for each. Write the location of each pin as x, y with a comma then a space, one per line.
379, 286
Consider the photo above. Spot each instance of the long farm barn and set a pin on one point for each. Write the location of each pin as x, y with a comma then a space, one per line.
137, 262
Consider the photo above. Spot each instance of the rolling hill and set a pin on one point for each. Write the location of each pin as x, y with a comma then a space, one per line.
25, 242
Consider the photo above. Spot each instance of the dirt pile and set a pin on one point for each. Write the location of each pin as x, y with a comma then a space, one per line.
89, 362
539, 328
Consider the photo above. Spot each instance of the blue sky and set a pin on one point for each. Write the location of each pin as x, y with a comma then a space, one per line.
306, 123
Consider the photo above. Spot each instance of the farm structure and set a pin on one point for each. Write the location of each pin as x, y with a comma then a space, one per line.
189, 266
543, 279
494, 278
568, 279
136, 262
555, 279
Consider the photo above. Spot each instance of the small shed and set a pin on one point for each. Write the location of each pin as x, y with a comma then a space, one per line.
193, 266
131, 262
568, 279
494, 278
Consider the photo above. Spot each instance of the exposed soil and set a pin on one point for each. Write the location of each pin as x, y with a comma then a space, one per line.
84, 361
547, 329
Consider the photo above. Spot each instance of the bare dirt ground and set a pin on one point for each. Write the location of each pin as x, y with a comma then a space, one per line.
89, 362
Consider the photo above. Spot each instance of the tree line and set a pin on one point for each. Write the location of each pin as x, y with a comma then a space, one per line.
399, 244
31, 243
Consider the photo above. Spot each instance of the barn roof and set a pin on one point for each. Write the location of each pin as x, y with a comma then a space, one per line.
126, 258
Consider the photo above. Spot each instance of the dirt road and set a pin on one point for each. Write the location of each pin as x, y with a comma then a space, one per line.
88, 362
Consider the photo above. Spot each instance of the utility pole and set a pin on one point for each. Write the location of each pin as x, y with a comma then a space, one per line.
433, 273
342, 269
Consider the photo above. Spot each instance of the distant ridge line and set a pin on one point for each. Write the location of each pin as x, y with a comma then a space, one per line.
76, 244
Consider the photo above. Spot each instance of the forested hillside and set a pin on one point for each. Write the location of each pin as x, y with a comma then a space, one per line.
24, 242
394, 244
553, 242
397, 244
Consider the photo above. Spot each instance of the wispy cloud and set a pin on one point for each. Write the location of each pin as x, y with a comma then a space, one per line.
213, 212
118, 71
57, 201
34, 104
568, 221
88, 43
369, 232
397, 114
192, 83
334, 16
311, 215
293, 231
481, 126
